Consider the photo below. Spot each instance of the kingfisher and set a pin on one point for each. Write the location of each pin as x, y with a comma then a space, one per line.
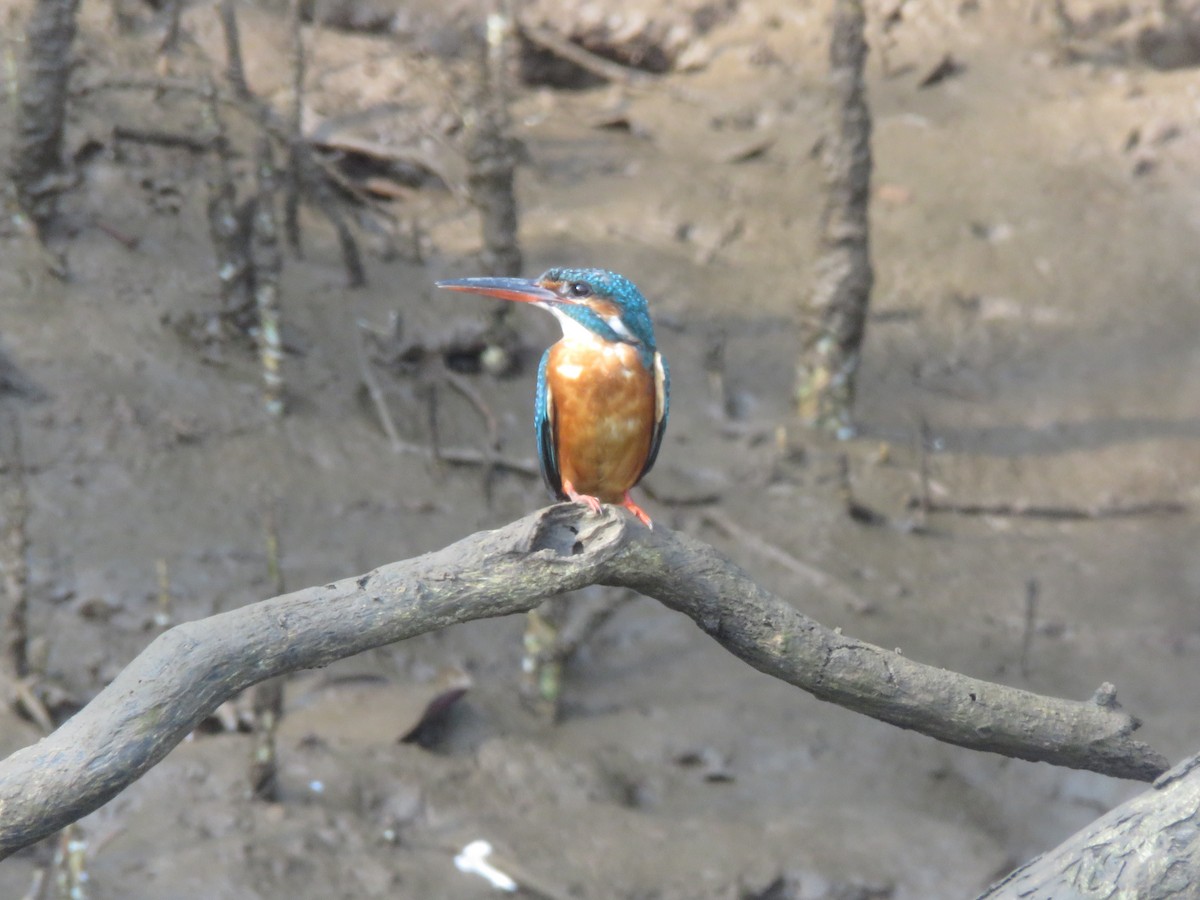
602, 390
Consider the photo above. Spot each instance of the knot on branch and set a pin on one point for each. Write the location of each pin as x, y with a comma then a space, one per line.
564, 531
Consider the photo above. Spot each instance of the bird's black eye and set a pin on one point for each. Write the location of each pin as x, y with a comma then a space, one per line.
579, 289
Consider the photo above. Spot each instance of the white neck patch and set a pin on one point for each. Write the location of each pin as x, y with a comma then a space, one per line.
574, 331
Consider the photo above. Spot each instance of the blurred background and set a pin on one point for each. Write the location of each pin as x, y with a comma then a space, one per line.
201, 407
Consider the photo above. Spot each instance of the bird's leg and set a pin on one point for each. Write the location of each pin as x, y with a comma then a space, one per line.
592, 503
637, 511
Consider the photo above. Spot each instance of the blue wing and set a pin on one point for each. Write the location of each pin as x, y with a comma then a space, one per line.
543, 427
662, 404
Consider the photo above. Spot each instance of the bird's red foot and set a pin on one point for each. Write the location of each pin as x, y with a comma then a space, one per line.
592, 503
637, 511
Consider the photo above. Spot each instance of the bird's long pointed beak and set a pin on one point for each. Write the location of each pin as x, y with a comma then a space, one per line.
522, 290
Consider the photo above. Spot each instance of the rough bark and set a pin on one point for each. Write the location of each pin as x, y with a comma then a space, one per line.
268, 267
192, 668
492, 151
841, 294
42, 110
1148, 848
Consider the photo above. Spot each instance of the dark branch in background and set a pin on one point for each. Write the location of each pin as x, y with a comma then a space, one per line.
491, 150
303, 166
14, 564
828, 366
268, 695
229, 224
1148, 848
295, 123
42, 108
268, 266
189, 670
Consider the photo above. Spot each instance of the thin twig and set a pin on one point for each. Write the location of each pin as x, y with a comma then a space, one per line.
429, 390
541, 666
268, 266
467, 390
1063, 513
758, 544
234, 268
467, 456
585, 59
161, 138
1032, 589
268, 695
492, 154
42, 91
170, 40
374, 389
29, 703
298, 62
14, 548
308, 164
924, 445
235, 69
578, 628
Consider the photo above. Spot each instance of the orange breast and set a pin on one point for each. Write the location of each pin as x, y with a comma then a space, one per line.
603, 407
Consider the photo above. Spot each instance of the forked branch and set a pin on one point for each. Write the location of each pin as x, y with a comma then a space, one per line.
192, 668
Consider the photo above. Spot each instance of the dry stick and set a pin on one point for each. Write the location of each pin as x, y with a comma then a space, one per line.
161, 138
162, 615
585, 59
268, 264
467, 390
310, 167
924, 444
375, 390
467, 456
297, 60
553, 633
828, 368
189, 670
472, 396
492, 153
15, 670
541, 666
235, 70
69, 858
14, 546
1148, 848
1062, 513
70, 863
170, 41
318, 187
820, 580
268, 695
1032, 590
430, 393
37, 156
581, 627
305, 164
225, 225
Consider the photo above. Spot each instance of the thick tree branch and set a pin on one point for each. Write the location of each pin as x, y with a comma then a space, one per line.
192, 668
1148, 847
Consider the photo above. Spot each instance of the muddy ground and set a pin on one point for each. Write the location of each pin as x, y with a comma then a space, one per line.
1036, 219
